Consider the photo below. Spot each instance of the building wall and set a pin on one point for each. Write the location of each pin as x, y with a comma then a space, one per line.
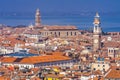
112, 52
85, 77
61, 33
19, 65
100, 66
66, 63
113, 33
35, 36
6, 51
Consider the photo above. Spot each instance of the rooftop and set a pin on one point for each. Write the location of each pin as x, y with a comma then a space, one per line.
21, 54
56, 27
36, 59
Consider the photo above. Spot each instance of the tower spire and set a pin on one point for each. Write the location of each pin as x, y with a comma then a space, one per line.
97, 14
37, 18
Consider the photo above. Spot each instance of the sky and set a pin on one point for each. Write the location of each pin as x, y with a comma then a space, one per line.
10, 11
59, 5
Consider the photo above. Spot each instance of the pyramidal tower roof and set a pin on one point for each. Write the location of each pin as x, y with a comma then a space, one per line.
97, 14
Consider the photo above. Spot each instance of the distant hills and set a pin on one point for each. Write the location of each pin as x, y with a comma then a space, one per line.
77, 13
3, 26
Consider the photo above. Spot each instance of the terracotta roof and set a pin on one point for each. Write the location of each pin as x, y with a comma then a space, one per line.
41, 59
112, 44
8, 59
4, 78
10, 41
33, 51
113, 74
98, 72
56, 27
96, 78
33, 32
86, 73
36, 59
55, 76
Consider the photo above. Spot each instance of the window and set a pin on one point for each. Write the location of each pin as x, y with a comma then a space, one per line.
59, 33
67, 33
109, 51
114, 51
55, 32
71, 33
98, 65
75, 33
103, 65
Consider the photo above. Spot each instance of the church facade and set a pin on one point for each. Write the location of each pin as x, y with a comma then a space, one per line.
52, 30
60, 31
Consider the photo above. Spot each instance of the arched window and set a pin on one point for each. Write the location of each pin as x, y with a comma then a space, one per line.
67, 33
59, 33
75, 33
55, 33
71, 33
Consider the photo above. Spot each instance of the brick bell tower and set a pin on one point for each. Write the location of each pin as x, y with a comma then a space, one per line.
97, 32
37, 18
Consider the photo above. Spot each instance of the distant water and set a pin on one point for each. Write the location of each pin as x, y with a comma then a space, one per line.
108, 23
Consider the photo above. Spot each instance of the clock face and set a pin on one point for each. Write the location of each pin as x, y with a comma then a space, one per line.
95, 41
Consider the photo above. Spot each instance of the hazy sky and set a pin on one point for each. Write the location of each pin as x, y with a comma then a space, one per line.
59, 5
109, 11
